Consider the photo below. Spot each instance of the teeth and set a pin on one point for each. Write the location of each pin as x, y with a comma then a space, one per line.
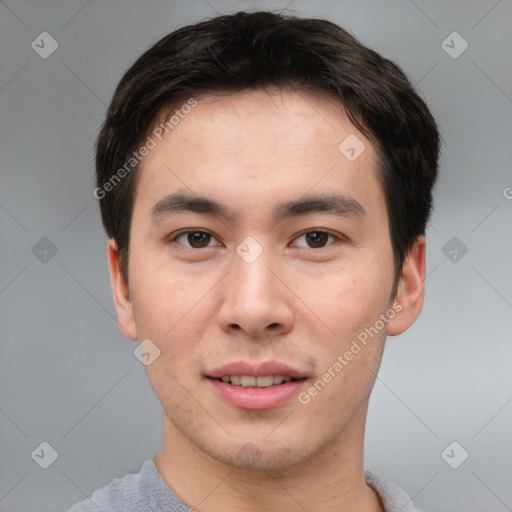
265, 382
249, 381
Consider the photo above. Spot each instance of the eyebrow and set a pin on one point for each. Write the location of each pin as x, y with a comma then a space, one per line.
337, 204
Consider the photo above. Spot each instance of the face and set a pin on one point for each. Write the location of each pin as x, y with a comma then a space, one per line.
260, 249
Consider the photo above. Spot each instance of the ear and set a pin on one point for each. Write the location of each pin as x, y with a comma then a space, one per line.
120, 290
411, 289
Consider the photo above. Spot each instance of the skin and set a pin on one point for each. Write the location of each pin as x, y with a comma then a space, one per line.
302, 305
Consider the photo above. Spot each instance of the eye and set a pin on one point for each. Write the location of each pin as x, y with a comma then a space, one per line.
316, 239
194, 239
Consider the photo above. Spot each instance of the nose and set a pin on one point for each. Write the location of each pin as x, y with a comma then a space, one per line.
255, 301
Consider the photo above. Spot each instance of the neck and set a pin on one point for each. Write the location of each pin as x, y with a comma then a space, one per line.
331, 479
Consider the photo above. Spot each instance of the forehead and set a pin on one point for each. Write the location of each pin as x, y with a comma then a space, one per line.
259, 121
249, 146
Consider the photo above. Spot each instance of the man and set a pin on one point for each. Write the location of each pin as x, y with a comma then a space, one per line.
265, 182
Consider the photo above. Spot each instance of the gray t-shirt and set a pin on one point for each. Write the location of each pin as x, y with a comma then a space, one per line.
146, 491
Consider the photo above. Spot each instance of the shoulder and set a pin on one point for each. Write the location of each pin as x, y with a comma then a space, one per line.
392, 496
144, 491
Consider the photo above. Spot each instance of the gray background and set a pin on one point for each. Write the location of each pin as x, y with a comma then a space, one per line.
68, 377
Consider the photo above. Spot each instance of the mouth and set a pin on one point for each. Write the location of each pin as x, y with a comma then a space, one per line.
256, 386
251, 381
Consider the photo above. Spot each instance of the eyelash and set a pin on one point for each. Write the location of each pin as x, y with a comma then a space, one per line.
187, 231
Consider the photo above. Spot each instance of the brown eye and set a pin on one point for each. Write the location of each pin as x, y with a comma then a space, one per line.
316, 239
194, 239
198, 239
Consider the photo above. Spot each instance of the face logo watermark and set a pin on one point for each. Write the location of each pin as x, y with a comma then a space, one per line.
44, 250
45, 455
351, 147
44, 45
146, 352
248, 455
454, 249
454, 45
454, 455
249, 249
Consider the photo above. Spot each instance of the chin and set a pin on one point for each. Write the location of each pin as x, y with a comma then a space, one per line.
250, 457
252, 447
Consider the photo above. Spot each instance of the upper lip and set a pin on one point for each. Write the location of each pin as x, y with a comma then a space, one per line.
255, 369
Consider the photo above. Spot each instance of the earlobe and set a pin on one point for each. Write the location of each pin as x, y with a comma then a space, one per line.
122, 299
411, 289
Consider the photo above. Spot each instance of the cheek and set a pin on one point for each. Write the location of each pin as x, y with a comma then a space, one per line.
169, 386
349, 299
161, 296
350, 303
173, 314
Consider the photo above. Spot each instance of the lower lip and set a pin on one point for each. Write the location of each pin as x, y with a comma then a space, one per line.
257, 398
